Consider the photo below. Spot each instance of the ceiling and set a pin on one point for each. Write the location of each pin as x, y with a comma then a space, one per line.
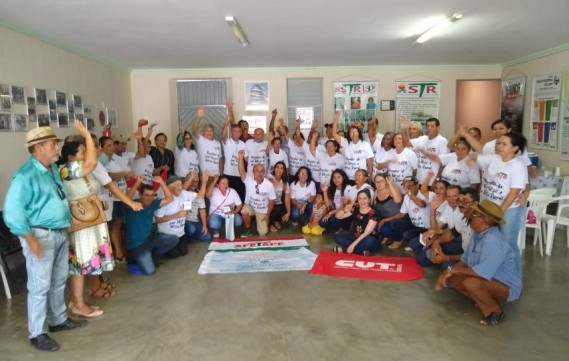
161, 34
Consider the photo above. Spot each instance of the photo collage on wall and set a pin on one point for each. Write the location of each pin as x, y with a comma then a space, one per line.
356, 101
22, 109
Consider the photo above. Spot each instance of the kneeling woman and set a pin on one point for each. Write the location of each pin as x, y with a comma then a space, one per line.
224, 201
362, 238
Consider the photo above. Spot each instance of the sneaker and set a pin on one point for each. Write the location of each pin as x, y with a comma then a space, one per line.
294, 224
68, 324
216, 235
247, 233
44, 343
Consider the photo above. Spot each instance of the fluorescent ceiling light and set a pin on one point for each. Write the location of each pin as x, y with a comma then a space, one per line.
237, 30
438, 28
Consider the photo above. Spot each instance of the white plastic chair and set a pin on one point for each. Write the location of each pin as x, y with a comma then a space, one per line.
537, 205
544, 191
561, 218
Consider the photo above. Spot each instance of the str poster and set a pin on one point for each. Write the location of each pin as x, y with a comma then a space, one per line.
356, 100
513, 91
564, 143
417, 100
545, 111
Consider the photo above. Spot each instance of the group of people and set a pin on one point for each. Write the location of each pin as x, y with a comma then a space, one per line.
369, 190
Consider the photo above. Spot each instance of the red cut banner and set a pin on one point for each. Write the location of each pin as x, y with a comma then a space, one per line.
380, 268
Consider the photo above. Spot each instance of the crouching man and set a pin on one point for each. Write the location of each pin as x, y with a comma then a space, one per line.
488, 272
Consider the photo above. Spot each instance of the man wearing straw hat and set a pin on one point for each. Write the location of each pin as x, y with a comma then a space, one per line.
488, 272
37, 211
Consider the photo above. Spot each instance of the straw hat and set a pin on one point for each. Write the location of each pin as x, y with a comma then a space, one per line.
39, 135
490, 210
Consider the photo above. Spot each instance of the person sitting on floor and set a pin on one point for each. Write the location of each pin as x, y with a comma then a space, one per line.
223, 202
362, 237
141, 243
196, 219
319, 210
488, 272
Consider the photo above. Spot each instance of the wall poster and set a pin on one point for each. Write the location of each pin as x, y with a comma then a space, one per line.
355, 100
545, 111
417, 100
512, 109
564, 141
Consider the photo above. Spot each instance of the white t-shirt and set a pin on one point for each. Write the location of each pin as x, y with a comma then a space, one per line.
300, 193
280, 189
220, 204
256, 153
351, 192
378, 158
118, 165
194, 214
124, 159
231, 150
328, 165
437, 145
143, 166
296, 157
490, 148
356, 156
258, 195
450, 216
419, 215
103, 178
500, 177
274, 158
429, 200
186, 162
209, 154
465, 231
312, 162
376, 146
174, 226
461, 173
404, 166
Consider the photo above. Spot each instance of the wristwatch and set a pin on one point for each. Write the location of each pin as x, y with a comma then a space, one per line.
449, 269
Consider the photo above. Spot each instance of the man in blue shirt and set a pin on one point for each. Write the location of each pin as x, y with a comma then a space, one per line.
488, 272
141, 243
37, 211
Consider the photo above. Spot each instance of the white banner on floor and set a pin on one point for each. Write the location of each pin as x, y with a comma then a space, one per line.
295, 259
257, 244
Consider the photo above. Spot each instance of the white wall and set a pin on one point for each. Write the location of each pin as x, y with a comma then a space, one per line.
154, 91
544, 65
28, 62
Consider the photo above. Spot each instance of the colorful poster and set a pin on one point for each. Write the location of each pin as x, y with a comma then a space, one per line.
417, 100
564, 143
355, 100
545, 111
512, 109
257, 95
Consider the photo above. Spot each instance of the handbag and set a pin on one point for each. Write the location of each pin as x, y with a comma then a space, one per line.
230, 227
86, 212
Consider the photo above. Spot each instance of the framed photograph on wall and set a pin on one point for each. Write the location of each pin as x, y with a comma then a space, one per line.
90, 124
43, 120
70, 109
41, 96
32, 109
52, 110
87, 109
61, 99
4, 90
257, 95
5, 103
77, 101
6, 124
112, 118
18, 95
62, 120
21, 122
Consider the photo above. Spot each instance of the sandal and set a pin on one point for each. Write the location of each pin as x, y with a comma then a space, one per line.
385, 242
337, 249
366, 253
273, 229
120, 259
395, 245
492, 319
277, 225
102, 292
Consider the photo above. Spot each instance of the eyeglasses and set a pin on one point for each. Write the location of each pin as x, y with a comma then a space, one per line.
60, 191
257, 188
475, 215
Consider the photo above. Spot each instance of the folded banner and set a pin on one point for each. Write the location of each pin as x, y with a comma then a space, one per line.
259, 243
294, 259
371, 268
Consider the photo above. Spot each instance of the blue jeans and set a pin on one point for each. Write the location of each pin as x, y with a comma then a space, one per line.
194, 230
394, 229
216, 222
515, 220
451, 248
369, 243
157, 244
47, 276
334, 223
295, 213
